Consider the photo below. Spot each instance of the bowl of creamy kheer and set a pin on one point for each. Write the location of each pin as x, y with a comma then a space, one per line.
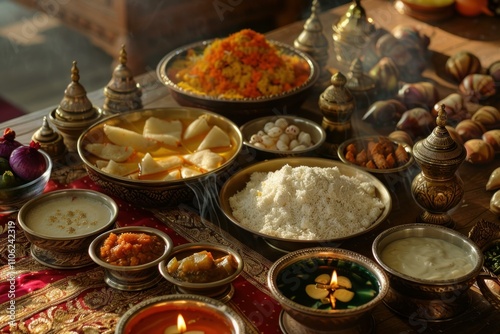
430, 268
61, 224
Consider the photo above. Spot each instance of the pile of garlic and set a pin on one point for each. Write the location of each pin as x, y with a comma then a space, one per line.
282, 136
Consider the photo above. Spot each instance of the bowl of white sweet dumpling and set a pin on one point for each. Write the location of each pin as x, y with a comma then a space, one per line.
282, 136
159, 157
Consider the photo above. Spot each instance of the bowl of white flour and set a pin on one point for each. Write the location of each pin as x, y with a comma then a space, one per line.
294, 203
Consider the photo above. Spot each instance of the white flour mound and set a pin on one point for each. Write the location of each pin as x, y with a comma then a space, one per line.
306, 203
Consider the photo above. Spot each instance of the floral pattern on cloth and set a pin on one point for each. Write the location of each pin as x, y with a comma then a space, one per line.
78, 301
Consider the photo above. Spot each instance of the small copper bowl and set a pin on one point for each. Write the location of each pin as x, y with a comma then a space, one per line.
293, 268
160, 314
429, 300
131, 278
60, 226
222, 289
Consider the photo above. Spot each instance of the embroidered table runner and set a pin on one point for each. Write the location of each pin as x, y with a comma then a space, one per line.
38, 299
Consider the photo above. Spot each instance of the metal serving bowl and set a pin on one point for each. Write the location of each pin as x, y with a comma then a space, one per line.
362, 142
290, 270
222, 289
130, 278
151, 193
238, 181
316, 132
199, 312
430, 300
486, 234
233, 108
13, 198
50, 222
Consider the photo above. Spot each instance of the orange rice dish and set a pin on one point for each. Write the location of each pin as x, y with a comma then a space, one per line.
243, 65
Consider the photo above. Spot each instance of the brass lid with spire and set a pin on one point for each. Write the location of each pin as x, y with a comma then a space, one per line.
439, 155
75, 113
357, 80
312, 40
122, 92
75, 105
355, 21
351, 33
50, 141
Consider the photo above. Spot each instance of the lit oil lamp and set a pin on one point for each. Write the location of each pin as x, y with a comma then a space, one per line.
181, 327
180, 314
325, 287
329, 290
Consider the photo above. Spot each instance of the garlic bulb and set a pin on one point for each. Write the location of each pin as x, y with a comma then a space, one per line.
454, 107
462, 64
494, 180
477, 87
478, 151
495, 203
492, 137
488, 116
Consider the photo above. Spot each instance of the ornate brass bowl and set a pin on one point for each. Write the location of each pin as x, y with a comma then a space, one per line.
160, 314
221, 289
234, 108
429, 300
312, 320
238, 181
58, 242
130, 278
151, 193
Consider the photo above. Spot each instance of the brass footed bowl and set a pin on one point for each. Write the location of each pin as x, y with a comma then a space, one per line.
238, 181
134, 277
295, 267
432, 300
221, 289
60, 226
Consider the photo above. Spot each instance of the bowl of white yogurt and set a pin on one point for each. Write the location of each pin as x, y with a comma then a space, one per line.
61, 224
431, 269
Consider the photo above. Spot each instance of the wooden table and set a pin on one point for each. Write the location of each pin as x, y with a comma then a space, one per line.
478, 35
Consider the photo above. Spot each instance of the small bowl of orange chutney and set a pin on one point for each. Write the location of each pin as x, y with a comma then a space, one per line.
130, 256
203, 268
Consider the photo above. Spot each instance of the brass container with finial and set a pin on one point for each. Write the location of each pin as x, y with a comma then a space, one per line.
50, 141
438, 188
122, 93
75, 112
351, 34
360, 84
337, 106
313, 41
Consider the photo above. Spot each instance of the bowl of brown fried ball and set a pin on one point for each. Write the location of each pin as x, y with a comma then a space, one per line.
376, 154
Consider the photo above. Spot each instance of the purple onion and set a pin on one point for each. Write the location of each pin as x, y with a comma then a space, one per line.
8, 143
27, 163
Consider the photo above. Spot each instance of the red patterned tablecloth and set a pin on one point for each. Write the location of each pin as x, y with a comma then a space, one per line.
38, 299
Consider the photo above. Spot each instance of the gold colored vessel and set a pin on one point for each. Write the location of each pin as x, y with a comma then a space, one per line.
438, 188
75, 113
337, 106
